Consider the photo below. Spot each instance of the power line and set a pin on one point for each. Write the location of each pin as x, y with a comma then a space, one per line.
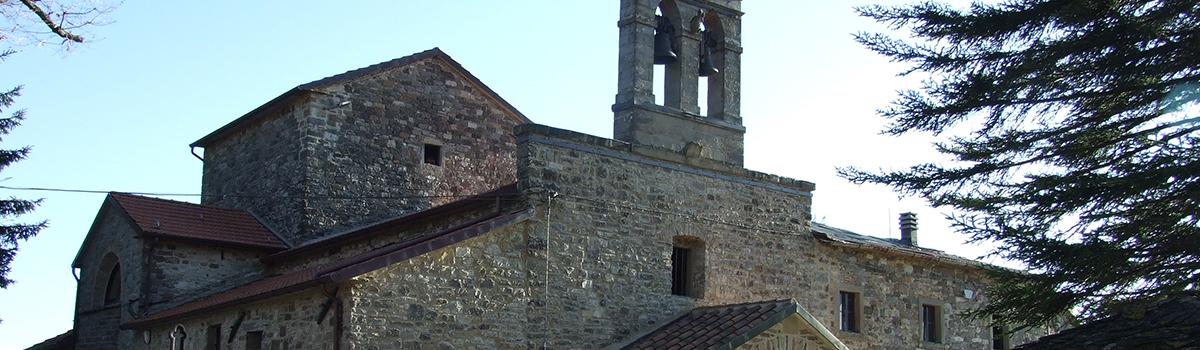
168, 194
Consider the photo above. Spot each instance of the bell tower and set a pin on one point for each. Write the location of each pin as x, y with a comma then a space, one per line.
697, 44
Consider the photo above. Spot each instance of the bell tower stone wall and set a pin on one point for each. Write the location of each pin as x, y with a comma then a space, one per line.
703, 33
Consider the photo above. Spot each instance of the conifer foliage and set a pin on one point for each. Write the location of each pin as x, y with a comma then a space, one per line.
1073, 129
26, 22
11, 233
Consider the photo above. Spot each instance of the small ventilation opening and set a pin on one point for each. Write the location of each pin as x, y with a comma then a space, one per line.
433, 154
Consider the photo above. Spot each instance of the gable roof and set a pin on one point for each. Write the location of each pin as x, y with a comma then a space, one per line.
854, 240
65, 341
156, 217
168, 218
337, 271
316, 85
1170, 324
728, 326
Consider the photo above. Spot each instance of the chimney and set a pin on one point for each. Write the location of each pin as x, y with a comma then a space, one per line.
908, 229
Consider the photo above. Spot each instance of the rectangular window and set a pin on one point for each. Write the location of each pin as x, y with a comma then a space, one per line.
848, 314
433, 154
213, 337
999, 336
679, 271
931, 323
254, 340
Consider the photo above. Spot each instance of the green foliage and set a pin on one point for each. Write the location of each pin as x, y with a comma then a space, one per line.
1073, 126
12, 234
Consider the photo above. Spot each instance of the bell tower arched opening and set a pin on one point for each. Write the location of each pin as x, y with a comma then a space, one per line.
678, 78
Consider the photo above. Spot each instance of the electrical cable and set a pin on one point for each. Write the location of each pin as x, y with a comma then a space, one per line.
168, 194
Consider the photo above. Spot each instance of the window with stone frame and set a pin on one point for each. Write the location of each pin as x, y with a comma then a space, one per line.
112, 288
212, 339
849, 312
687, 267
931, 323
999, 336
254, 340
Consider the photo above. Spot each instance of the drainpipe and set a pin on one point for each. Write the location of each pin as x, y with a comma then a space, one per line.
337, 330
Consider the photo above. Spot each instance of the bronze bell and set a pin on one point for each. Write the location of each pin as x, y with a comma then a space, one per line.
664, 52
706, 63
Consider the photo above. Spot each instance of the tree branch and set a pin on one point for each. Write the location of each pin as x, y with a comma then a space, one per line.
56, 28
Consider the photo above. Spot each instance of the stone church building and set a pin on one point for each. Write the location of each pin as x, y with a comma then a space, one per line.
406, 205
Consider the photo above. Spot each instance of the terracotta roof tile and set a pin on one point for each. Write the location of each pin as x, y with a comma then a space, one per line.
336, 271
723, 327
193, 221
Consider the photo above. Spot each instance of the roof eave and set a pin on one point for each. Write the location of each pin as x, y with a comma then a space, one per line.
248, 117
140, 324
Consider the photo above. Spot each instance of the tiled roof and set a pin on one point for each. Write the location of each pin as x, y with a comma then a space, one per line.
337, 271
833, 234
65, 341
247, 118
482, 200
725, 327
1170, 324
184, 220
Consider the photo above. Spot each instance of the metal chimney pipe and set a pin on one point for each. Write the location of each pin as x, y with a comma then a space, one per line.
908, 228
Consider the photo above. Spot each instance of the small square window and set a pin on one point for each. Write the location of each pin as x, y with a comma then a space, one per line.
254, 340
433, 154
849, 312
931, 323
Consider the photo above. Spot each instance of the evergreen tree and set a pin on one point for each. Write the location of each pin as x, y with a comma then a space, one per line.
29, 20
12, 234
1073, 128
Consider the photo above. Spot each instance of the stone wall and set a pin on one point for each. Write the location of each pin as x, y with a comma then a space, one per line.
786, 335
374, 147
354, 153
181, 271
113, 241
611, 228
472, 295
612, 223
258, 168
287, 322
892, 289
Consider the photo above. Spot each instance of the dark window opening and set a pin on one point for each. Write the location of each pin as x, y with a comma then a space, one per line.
999, 336
931, 324
254, 340
433, 154
679, 271
112, 290
687, 266
213, 338
848, 311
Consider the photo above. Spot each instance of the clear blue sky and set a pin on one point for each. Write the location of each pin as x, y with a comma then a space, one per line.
118, 112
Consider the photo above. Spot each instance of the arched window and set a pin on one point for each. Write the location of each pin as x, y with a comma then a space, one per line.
667, 74
178, 335
112, 288
711, 87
